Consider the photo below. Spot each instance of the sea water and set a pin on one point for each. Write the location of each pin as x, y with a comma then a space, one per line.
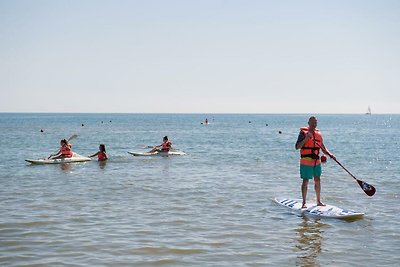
211, 207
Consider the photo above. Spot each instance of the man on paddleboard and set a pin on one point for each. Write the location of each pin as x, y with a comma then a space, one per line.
310, 142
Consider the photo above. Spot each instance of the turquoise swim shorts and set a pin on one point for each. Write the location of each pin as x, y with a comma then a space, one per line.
309, 172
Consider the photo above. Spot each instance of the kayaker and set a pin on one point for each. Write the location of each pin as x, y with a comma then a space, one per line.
310, 142
101, 154
64, 152
164, 147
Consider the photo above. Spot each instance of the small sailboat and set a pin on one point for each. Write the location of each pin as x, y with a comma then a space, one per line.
368, 111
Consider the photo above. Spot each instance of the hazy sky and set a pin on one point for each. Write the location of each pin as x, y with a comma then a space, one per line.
200, 56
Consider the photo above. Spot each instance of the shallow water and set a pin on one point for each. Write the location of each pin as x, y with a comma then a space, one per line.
212, 207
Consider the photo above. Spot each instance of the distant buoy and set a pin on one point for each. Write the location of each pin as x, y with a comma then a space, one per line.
279, 132
83, 125
323, 158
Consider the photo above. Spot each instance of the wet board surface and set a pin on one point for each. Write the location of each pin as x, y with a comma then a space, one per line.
312, 209
75, 158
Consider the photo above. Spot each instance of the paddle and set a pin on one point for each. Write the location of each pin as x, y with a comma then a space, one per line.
367, 188
144, 146
72, 137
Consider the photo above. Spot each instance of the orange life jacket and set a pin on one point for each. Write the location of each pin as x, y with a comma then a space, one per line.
311, 148
101, 156
66, 151
166, 146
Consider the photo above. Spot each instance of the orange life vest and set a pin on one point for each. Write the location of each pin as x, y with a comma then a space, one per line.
66, 151
166, 146
310, 151
101, 156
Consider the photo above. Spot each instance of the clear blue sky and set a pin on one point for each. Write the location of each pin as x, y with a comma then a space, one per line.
200, 56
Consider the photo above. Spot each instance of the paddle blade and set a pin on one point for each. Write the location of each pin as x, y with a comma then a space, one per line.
72, 137
368, 189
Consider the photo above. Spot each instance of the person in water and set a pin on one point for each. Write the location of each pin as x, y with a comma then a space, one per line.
101, 154
65, 150
310, 142
164, 147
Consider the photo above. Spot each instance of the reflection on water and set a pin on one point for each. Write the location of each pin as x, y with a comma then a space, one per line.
309, 241
102, 164
66, 167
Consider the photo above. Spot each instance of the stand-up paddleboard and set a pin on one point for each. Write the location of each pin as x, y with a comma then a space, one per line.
159, 153
312, 209
75, 158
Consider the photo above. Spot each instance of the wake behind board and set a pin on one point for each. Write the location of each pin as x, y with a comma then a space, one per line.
162, 154
75, 158
328, 211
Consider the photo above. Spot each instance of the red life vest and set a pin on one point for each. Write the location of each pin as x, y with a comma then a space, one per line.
310, 151
66, 151
166, 146
101, 156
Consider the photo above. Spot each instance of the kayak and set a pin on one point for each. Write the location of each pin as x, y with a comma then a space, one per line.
328, 211
75, 158
158, 153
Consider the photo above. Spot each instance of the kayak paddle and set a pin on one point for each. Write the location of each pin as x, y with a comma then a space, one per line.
72, 137
144, 146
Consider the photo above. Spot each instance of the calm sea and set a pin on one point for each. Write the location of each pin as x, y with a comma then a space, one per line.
212, 207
